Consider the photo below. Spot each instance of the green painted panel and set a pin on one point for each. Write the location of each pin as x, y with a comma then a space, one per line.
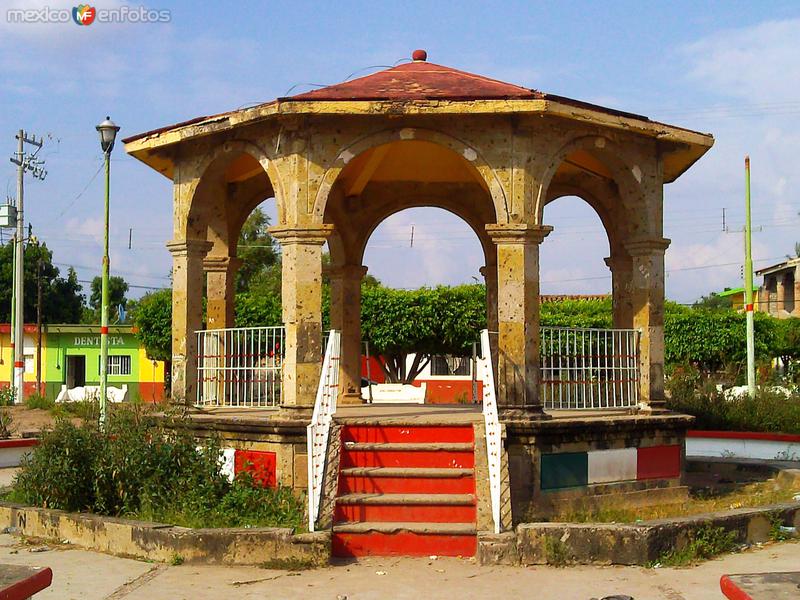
567, 469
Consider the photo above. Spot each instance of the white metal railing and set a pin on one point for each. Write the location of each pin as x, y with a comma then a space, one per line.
494, 441
240, 367
589, 368
318, 429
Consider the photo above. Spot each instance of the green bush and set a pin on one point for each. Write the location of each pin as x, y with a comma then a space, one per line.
707, 542
769, 411
141, 469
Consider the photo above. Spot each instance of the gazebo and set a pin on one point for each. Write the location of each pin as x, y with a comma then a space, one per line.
340, 159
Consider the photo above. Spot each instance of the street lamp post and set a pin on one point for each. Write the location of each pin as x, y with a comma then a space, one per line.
108, 133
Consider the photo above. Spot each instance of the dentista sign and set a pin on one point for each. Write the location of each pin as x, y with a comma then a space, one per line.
95, 341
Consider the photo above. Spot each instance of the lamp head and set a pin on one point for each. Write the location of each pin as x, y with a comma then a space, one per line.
108, 134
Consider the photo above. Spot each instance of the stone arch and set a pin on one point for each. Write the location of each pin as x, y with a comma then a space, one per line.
388, 136
205, 209
612, 155
426, 201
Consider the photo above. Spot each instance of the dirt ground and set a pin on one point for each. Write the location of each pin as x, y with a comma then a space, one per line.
30, 420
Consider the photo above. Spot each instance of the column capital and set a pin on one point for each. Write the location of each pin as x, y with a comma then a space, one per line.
619, 263
301, 234
346, 271
517, 233
641, 247
189, 248
222, 264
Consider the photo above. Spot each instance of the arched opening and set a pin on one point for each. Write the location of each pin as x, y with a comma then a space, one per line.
420, 324
381, 195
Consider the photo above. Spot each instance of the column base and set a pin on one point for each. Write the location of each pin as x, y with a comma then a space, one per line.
295, 413
350, 399
522, 414
655, 406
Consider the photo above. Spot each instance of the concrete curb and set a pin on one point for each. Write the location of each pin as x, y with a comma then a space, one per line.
624, 544
271, 546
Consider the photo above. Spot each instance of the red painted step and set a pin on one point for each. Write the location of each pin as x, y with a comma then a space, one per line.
408, 433
405, 490
403, 539
404, 513
406, 481
455, 456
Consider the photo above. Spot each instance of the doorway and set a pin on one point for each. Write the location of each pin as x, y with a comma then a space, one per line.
76, 371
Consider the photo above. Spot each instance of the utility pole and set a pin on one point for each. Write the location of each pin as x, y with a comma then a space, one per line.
39, 327
24, 162
748, 285
13, 308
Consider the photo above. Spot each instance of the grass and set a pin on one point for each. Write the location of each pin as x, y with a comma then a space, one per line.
762, 493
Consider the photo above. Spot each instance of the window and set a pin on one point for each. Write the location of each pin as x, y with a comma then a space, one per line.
29, 366
450, 365
117, 365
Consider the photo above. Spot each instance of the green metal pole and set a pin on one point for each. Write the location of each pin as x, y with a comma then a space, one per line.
13, 307
104, 308
748, 285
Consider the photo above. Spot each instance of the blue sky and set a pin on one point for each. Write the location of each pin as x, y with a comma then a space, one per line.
730, 68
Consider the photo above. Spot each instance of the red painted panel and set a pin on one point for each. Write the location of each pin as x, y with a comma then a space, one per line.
399, 513
151, 391
408, 434
375, 371
402, 543
26, 588
21, 443
745, 435
262, 466
360, 484
658, 462
449, 391
731, 590
408, 458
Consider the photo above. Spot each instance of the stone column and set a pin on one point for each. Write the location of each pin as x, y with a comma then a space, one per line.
301, 291
780, 293
621, 266
796, 311
187, 314
518, 319
489, 273
346, 318
220, 291
647, 295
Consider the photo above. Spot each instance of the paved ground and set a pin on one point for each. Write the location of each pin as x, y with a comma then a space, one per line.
82, 575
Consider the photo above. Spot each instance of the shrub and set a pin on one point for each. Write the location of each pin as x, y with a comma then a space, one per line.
141, 469
769, 411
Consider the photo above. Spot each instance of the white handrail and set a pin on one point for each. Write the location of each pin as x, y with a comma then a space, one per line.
494, 441
318, 429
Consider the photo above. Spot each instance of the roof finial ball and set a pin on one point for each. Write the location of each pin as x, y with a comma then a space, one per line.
419, 56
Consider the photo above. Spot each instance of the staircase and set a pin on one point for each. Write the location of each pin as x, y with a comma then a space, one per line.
405, 490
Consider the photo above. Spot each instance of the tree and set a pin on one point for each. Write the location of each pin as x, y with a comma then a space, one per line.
117, 288
714, 302
153, 318
256, 249
62, 301
425, 322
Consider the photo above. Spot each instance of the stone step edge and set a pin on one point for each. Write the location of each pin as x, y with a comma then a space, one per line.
409, 447
408, 472
418, 528
408, 499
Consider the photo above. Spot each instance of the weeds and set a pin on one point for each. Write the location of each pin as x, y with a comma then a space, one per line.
176, 560
7, 428
7, 396
556, 552
39, 401
704, 543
